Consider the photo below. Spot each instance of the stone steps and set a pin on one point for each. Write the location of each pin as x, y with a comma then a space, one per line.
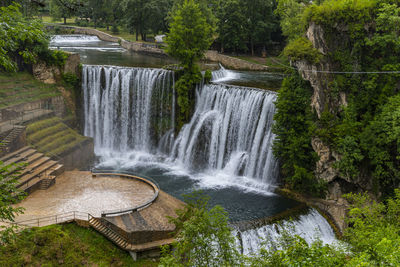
36, 168
40, 172
17, 156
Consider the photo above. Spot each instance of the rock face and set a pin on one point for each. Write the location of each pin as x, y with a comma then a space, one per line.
52, 74
325, 100
46, 74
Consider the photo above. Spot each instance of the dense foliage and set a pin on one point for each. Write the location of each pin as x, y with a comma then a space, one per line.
64, 245
23, 41
360, 36
204, 238
293, 127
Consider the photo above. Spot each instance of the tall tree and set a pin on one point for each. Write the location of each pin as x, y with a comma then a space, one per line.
232, 32
189, 37
259, 21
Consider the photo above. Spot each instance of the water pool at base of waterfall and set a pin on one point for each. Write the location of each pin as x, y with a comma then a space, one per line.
242, 201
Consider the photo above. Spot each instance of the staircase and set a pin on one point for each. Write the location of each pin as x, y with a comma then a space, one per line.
110, 234
7, 144
31, 169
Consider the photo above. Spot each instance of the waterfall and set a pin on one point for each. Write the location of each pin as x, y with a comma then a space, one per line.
133, 109
223, 75
127, 108
74, 38
230, 131
310, 227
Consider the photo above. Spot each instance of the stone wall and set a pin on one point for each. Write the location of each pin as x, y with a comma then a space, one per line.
80, 157
55, 103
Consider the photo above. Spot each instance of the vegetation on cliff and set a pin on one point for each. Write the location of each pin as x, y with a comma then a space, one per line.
358, 117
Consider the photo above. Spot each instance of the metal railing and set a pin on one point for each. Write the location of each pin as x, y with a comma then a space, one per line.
54, 219
128, 174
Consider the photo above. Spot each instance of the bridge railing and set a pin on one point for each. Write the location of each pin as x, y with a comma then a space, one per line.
127, 174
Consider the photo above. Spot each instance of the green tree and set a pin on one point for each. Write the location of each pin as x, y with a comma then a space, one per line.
290, 13
9, 195
189, 37
259, 21
204, 238
293, 127
22, 41
232, 33
64, 9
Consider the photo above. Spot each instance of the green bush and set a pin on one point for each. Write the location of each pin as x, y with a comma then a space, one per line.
302, 49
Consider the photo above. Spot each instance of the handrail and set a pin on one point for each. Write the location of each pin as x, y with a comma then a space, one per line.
147, 180
58, 218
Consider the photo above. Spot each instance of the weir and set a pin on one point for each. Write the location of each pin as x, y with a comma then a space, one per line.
130, 114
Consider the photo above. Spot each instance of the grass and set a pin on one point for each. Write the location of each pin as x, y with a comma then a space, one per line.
53, 137
65, 245
22, 87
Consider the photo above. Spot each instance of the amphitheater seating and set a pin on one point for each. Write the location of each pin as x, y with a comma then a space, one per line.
32, 170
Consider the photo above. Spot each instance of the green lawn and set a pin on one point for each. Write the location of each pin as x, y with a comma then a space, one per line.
22, 87
65, 245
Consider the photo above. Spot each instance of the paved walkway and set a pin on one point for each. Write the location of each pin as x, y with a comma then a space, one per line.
79, 191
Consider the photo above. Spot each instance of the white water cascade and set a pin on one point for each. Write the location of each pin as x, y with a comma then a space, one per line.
223, 75
124, 106
310, 227
74, 39
230, 131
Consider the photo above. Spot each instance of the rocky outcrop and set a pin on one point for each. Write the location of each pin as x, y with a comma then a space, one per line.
52, 74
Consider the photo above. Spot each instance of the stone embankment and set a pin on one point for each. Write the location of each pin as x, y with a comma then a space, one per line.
211, 55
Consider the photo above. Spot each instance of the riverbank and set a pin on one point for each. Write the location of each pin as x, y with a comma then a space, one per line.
146, 48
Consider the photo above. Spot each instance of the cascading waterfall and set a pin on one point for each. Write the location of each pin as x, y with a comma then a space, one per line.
74, 38
127, 108
310, 227
132, 110
230, 131
223, 74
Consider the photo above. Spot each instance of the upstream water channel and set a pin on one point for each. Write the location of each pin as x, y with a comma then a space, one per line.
225, 150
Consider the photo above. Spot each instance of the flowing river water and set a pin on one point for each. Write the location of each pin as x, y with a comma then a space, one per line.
225, 150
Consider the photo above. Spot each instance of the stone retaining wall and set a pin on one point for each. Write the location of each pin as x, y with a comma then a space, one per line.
80, 157
55, 103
